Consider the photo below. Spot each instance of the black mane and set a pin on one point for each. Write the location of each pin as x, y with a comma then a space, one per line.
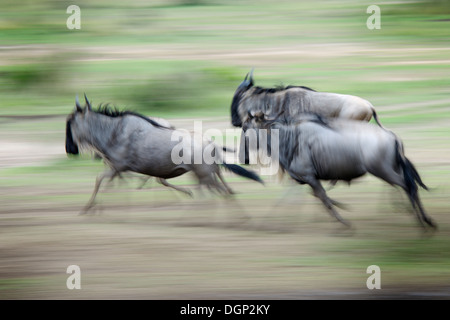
113, 112
259, 90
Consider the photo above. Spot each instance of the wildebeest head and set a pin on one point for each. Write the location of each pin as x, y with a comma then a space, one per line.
251, 134
241, 89
72, 120
254, 121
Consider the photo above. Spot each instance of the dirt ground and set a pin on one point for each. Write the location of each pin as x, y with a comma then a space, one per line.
269, 242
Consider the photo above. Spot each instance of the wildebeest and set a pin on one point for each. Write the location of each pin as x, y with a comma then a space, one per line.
296, 100
293, 101
128, 141
313, 148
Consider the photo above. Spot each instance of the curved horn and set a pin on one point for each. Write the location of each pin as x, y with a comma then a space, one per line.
248, 81
251, 76
77, 104
87, 102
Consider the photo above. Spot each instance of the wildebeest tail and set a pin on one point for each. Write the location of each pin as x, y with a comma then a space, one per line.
375, 117
410, 174
243, 172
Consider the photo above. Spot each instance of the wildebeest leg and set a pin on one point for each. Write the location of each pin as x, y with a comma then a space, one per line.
214, 185
320, 193
144, 181
165, 183
230, 199
419, 210
424, 216
332, 184
111, 174
208, 178
338, 204
286, 195
229, 191
394, 178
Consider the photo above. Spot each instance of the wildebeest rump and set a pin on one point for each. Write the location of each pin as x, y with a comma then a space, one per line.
313, 149
129, 141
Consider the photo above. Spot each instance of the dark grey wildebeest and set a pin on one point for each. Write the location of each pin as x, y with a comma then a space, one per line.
314, 148
128, 141
294, 101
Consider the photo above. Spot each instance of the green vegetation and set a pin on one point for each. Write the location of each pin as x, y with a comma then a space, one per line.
180, 70
183, 59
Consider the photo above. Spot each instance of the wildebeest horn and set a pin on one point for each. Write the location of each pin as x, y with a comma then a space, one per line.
77, 104
87, 102
248, 81
251, 76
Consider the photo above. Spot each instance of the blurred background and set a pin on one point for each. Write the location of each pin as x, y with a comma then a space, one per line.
182, 60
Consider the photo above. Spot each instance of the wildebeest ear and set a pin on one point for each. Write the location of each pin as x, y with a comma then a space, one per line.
88, 104
77, 104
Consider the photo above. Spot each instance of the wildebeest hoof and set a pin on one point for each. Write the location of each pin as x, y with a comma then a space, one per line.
86, 209
189, 193
345, 223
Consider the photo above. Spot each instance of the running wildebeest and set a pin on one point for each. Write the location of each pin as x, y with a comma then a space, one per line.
294, 101
128, 141
313, 148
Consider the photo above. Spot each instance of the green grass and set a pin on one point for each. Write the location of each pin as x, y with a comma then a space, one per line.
47, 84
184, 59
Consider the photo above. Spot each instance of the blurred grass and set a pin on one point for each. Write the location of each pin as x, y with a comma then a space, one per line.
47, 83
315, 259
184, 59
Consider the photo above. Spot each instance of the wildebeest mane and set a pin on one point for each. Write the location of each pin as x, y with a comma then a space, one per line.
289, 148
114, 112
290, 134
260, 90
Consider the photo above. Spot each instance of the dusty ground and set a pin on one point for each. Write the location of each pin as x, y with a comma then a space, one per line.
270, 242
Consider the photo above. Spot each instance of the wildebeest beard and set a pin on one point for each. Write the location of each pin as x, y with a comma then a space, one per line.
71, 146
235, 118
